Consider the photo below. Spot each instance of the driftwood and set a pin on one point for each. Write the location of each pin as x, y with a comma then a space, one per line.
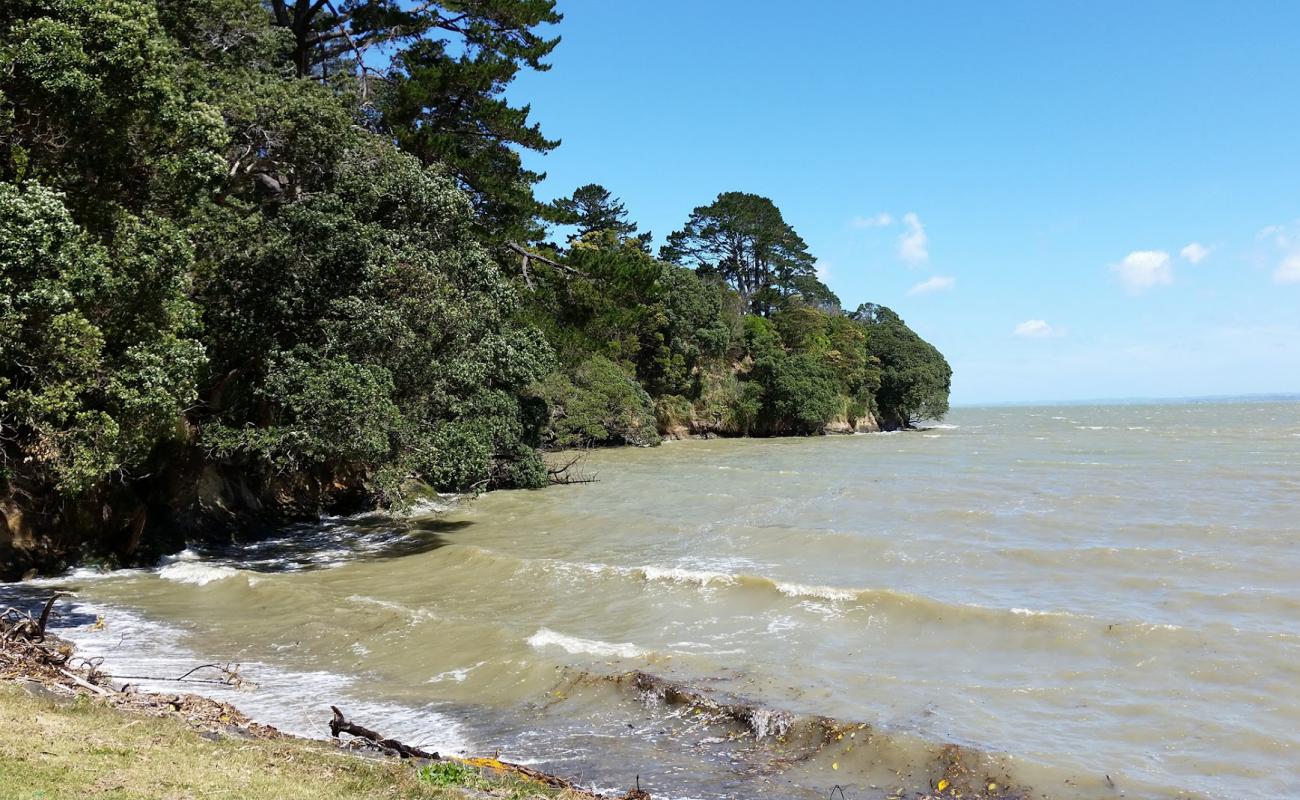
229, 676
560, 475
22, 626
339, 724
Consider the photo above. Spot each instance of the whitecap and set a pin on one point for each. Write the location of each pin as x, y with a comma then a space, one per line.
546, 637
82, 575
681, 575
294, 701
823, 592
196, 573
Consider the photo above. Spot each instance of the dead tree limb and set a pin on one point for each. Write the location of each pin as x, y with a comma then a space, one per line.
560, 475
528, 255
77, 679
39, 634
229, 676
339, 724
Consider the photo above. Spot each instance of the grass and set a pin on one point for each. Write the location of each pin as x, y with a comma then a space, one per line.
55, 750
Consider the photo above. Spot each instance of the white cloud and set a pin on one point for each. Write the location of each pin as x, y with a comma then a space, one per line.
1277, 232
1289, 270
935, 284
881, 220
823, 270
1287, 239
1037, 329
1194, 253
1142, 269
913, 245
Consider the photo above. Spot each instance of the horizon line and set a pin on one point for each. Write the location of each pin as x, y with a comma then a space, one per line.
1141, 400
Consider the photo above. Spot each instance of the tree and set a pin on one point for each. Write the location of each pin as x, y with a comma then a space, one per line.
592, 208
91, 105
743, 238
915, 378
362, 327
440, 93
97, 350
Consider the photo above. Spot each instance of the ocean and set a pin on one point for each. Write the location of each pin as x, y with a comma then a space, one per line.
1078, 601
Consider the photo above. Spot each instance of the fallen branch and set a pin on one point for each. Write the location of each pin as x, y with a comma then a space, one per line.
560, 476
39, 633
229, 676
75, 678
339, 724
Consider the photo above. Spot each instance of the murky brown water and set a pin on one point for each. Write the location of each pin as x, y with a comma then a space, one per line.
1078, 592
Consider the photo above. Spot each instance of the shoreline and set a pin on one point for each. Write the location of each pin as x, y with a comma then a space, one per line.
50, 672
41, 674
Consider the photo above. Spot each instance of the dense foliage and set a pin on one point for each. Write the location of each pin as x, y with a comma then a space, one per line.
260, 258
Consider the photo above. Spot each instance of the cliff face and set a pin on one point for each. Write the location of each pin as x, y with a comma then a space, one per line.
137, 523
866, 424
697, 426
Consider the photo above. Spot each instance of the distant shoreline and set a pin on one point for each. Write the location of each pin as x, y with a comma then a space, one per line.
1284, 397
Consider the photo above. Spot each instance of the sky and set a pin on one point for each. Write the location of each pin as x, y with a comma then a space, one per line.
1070, 200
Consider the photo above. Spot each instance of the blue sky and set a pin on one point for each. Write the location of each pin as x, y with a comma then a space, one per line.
1071, 201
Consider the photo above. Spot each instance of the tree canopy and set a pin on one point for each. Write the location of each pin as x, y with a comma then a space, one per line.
915, 377
592, 209
743, 238
433, 75
254, 265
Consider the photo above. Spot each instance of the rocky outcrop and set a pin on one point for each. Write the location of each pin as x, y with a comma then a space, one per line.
850, 425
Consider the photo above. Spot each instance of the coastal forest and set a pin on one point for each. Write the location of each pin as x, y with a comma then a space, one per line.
262, 259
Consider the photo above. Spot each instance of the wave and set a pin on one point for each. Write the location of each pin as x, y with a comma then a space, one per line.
683, 575
83, 575
545, 637
294, 701
829, 599
196, 572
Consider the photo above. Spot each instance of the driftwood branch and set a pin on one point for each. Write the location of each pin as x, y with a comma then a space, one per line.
561, 476
229, 676
339, 724
77, 679
39, 634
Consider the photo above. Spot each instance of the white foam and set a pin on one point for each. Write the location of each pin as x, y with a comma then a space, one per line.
430, 506
681, 575
196, 572
82, 575
457, 675
545, 637
1031, 612
295, 702
823, 592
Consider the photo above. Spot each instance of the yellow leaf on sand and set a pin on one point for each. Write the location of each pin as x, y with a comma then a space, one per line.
993, 787
943, 784
836, 765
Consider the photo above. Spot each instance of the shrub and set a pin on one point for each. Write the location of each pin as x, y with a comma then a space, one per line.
801, 393
597, 404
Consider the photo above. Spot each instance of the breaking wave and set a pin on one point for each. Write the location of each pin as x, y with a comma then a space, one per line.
545, 637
